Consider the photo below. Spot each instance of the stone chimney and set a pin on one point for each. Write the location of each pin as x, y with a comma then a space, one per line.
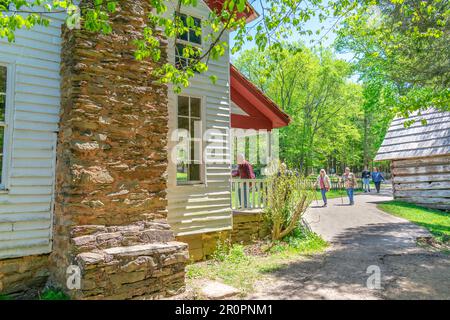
110, 205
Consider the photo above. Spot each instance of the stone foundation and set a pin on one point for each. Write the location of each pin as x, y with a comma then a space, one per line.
18, 276
203, 245
110, 197
248, 227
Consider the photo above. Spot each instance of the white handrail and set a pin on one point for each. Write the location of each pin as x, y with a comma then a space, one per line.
248, 194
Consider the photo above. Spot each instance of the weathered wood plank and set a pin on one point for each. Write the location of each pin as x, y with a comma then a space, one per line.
435, 143
424, 193
424, 200
421, 178
421, 170
438, 206
423, 186
421, 162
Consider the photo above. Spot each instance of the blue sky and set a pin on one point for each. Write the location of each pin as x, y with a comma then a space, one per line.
313, 25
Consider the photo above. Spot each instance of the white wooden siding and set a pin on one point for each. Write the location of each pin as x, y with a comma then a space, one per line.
26, 206
205, 207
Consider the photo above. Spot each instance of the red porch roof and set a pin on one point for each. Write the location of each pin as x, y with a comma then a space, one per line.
262, 112
249, 13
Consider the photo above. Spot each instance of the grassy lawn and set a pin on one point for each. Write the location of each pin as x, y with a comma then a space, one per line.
437, 222
47, 294
331, 194
240, 267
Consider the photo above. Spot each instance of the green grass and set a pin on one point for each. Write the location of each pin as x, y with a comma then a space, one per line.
437, 222
332, 194
4, 297
240, 270
53, 294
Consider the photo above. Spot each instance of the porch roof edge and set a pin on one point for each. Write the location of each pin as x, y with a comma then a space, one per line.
257, 100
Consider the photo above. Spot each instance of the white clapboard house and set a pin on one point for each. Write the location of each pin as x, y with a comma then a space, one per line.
199, 194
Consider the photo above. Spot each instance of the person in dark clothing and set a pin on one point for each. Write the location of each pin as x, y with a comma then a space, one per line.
377, 178
366, 179
245, 171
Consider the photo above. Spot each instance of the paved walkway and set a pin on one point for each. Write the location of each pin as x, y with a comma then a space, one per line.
362, 236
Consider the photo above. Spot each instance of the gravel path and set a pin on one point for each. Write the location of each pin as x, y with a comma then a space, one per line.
362, 237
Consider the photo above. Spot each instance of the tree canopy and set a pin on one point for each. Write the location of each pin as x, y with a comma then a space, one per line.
404, 46
333, 120
400, 43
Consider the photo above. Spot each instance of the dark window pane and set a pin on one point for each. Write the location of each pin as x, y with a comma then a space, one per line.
2, 79
183, 36
2, 138
197, 22
183, 106
182, 17
195, 107
179, 49
194, 172
2, 106
194, 38
183, 124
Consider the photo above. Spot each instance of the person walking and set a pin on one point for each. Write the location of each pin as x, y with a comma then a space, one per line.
366, 179
349, 183
377, 178
324, 182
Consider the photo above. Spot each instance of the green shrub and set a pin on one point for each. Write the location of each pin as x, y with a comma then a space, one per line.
288, 198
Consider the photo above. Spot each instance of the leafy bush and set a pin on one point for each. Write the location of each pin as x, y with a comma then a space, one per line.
288, 197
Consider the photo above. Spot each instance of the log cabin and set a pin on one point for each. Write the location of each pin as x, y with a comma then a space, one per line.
420, 159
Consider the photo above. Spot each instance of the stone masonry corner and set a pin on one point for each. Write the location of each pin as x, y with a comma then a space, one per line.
111, 206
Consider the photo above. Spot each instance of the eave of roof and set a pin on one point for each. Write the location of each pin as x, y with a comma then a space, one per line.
249, 13
253, 101
417, 140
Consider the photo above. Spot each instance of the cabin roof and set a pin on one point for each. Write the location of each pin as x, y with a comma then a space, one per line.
417, 141
262, 112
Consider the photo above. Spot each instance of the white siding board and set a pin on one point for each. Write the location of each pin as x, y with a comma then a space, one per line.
207, 207
26, 207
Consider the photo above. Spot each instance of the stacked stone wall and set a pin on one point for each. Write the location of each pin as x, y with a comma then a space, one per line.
111, 204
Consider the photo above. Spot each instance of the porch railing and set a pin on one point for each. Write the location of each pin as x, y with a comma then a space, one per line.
248, 194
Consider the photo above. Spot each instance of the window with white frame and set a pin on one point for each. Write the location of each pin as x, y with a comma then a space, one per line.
3, 120
190, 40
189, 148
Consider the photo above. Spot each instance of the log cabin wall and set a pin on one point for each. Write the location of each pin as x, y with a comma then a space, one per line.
423, 181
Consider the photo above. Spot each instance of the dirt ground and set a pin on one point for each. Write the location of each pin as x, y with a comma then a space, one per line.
364, 240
